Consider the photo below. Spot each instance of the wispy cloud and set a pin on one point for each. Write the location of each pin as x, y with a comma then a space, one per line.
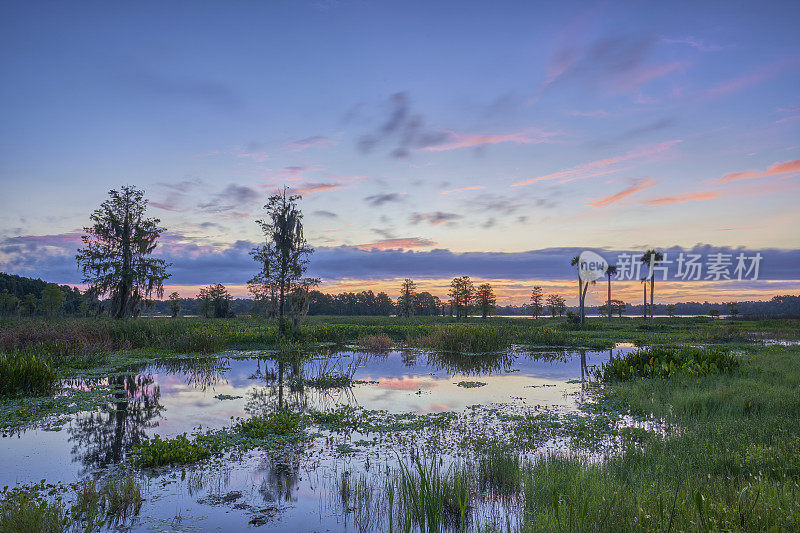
338, 182
776, 169
457, 140
616, 63
752, 77
680, 198
636, 187
317, 141
698, 44
397, 244
377, 200
599, 167
593, 113
464, 189
435, 218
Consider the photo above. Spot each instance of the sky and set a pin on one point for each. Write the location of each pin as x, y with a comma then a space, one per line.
428, 139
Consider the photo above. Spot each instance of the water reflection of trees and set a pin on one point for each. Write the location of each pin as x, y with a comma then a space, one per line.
100, 438
199, 372
471, 364
280, 478
285, 388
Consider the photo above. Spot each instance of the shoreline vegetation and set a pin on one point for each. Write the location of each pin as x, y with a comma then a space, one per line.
733, 465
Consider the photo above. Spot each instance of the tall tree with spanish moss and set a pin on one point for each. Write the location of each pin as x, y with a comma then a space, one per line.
537, 296
407, 299
284, 255
116, 260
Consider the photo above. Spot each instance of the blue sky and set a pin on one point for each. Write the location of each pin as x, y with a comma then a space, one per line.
461, 126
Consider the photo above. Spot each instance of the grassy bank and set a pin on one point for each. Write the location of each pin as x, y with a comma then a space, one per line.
77, 341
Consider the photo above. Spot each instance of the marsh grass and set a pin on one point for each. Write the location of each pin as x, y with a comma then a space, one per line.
23, 374
122, 496
375, 343
499, 471
430, 497
464, 338
25, 510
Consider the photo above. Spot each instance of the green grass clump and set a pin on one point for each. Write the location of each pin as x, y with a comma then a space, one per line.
465, 338
499, 471
25, 510
122, 496
180, 450
282, 422
662, 362
26, 375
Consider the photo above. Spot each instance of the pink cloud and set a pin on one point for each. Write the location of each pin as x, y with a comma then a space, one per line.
645, 75
402, 383
636, 187
338, 183
457, 140
751, 78
680, 198
397, 244
774, 170
464, 189
587, 170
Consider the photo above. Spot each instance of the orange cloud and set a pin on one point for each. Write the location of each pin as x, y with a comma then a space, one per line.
608, 200
458, 140
680, 198
397, 244
463, 189
587, 170
774, 170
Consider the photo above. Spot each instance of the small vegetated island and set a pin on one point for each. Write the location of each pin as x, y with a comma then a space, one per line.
298, 410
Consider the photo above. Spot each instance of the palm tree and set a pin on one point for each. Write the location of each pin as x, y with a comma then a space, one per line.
651, 258
644, 305
611, 271
574, 262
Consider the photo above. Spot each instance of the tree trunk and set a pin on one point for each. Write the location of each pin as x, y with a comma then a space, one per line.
583, 300
652, 283
644, 304
609, 298
280, 311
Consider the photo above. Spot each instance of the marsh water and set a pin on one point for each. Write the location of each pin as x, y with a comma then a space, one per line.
297, 492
